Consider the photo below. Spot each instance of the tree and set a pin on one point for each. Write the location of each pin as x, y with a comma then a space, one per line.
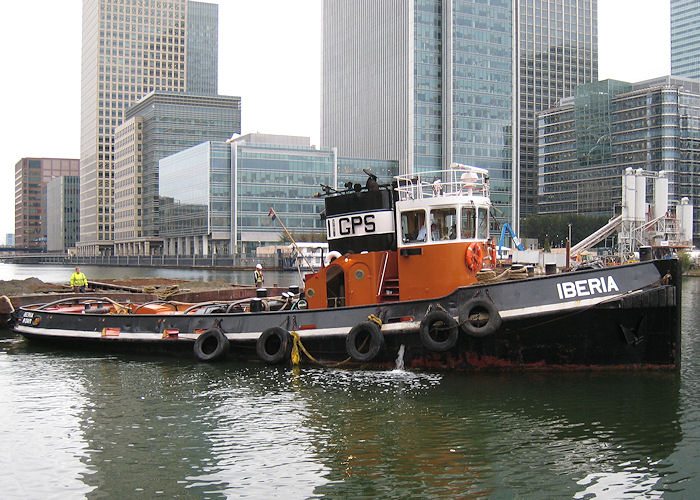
556, 227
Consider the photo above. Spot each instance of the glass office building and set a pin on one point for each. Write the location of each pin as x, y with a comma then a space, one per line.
130, 48
202, 48
196, 200
558, 51
685, 38
429, 83
160, 124
586, 143
217, 197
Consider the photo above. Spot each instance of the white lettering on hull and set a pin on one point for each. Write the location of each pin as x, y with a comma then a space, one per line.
587, 287
361, 224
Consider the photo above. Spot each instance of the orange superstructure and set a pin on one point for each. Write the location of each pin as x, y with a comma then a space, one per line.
438, 239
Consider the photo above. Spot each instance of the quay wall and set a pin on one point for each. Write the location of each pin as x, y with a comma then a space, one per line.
223, 262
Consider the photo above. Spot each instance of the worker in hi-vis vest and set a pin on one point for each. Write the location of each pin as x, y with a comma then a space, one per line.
259, 279
78, 281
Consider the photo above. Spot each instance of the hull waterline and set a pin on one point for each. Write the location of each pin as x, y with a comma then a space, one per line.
624, 317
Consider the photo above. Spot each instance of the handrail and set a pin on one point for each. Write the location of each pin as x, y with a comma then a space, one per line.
381, 280
460, 180
76, 301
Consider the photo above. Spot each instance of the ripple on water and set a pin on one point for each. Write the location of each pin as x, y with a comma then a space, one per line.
112, 426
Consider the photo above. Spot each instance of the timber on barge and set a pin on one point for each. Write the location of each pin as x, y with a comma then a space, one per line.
412, 268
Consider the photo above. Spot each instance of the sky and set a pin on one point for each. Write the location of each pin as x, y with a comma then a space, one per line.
269, 55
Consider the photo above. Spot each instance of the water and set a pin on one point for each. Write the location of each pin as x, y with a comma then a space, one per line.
82, 425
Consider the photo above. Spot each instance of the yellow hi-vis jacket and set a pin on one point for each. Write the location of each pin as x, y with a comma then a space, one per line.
78, 279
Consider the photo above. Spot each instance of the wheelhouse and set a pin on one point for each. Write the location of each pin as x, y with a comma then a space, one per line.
443, 206
422, 237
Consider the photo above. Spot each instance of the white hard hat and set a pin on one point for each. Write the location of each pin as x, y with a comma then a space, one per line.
258, 266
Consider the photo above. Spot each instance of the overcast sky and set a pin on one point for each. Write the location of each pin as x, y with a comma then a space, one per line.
269, 54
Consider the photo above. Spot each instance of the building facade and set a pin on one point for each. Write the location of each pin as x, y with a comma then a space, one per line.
128, 189
557, 52
160, 124
216, 197
429, 83
685, 38
63, 215
130, 48
587, 142
31, 177
202, 48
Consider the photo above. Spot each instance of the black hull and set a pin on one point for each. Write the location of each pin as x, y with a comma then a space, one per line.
625, 317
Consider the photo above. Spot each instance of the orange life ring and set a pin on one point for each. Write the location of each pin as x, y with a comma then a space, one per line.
475, 256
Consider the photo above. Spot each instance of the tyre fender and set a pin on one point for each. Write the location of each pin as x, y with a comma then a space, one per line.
439, 331
479, 317
211, 345
274, 345
364, 341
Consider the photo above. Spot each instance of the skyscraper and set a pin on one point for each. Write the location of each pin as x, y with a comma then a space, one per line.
429, 82
685, 38
129, 48
558, 51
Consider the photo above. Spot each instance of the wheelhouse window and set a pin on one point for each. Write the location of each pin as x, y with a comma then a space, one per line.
443, 224
413, 226
468, 223
482, 223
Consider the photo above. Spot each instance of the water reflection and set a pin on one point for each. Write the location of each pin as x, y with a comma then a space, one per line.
119, 426
477, 436
180, 428
41, 436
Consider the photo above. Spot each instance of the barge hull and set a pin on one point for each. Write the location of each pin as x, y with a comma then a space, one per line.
624, 317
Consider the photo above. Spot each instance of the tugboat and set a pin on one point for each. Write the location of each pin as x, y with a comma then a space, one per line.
411, 272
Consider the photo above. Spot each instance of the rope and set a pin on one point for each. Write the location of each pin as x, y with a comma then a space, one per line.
118, 308
298, 345
162, 293
490, 276
7, 300
169, 291
518, 274
375, 319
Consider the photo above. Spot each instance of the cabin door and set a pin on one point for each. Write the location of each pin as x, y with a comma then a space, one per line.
335, 286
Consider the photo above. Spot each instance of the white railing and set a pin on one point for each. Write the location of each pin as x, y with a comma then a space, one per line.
459, 180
